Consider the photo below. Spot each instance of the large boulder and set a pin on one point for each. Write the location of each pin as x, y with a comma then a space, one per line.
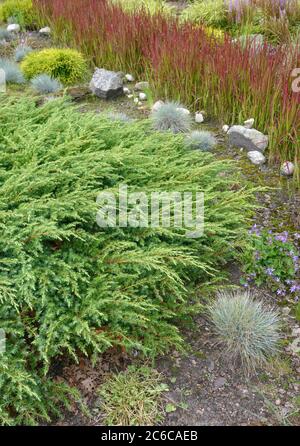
249, 139
107, 84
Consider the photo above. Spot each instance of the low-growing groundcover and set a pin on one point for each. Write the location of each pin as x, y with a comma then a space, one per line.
69, 287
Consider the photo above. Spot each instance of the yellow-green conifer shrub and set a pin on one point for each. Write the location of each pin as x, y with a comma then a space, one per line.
64, 64
21, 10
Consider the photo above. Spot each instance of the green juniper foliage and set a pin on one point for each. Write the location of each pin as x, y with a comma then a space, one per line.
69, 287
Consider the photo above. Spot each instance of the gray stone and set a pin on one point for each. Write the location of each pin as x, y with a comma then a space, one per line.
249, 139
106, 84
140, 86
220, 382
256, 157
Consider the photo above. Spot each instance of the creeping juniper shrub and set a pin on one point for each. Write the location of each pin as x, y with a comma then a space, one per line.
247, 330
69, 287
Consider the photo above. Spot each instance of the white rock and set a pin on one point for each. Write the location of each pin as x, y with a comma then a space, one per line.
143, 97
249, 123
256, 157
199, 117
140, 86
130, 96
126, 90
140, 103
157, 106
13, 28
45, 30
136, 100
184, 110
225, 128
249, 139
129, 77
287, 169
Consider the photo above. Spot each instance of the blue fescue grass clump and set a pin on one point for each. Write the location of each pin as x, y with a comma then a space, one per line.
201, 140
13, 74
119, 117
21, 51
170, 116
45, 84
5, 35
246, 328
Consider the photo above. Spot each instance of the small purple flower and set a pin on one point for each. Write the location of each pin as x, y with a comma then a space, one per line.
255, 230
270, 271
283, 237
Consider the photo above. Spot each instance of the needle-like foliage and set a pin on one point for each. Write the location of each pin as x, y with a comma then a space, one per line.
69, 287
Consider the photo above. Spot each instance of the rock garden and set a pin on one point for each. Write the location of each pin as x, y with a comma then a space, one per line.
145, 321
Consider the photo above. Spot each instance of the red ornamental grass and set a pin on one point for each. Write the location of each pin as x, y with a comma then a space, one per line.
230, 81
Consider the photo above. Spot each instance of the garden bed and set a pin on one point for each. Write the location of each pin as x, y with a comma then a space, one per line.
89, 311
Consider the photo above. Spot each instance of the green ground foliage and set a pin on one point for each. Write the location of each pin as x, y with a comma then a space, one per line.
69, 287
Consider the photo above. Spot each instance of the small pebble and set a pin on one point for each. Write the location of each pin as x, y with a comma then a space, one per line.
249, 123
287, 169
129, 77
199, 118
142, 97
